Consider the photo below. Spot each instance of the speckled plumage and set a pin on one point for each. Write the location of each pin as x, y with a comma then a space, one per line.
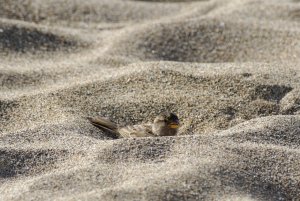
165, 124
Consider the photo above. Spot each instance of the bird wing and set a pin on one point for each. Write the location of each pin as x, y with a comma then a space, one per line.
104, 124
141, 130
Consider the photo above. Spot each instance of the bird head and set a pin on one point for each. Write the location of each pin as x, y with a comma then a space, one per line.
166, 123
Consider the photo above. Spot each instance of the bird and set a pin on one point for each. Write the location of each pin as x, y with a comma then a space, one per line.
165, 124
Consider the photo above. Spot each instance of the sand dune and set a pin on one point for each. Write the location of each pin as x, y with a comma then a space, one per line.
229, 69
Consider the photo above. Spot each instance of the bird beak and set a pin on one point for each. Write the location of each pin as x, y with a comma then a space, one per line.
174, 125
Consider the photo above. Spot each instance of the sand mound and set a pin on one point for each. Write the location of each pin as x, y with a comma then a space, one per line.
62, 61
74, 12
17, 162
218, 101
224, 166
291, 102
18, 38
265, 11
212, 40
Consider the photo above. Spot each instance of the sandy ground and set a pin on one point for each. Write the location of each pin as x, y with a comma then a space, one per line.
229, 69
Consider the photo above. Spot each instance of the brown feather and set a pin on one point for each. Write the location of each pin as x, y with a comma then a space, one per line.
141, 130
104, 124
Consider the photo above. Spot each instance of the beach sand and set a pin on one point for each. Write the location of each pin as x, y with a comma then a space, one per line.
229, 69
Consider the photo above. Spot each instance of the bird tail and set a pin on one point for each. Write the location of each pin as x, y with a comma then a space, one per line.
104, 124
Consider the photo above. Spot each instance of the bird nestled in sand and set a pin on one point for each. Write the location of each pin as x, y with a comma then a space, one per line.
165, 124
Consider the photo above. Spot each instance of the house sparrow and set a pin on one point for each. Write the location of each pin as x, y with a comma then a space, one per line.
165, 124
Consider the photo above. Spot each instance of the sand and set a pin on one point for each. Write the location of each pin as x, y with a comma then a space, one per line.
229, 69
